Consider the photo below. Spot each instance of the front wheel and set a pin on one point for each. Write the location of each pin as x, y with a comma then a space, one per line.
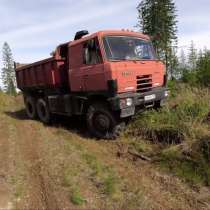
102, 123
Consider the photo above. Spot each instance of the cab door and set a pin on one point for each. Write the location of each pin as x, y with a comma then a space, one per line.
93, 68
76, 73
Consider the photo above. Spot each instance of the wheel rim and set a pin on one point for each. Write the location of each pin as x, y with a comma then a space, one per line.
101, 122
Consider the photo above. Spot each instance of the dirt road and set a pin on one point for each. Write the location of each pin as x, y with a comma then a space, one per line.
53, 167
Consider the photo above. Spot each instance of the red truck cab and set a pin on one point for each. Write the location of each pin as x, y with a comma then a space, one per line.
106, 76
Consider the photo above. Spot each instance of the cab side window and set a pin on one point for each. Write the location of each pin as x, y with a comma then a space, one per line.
92, 53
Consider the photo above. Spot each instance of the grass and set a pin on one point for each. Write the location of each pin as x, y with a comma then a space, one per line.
195, 169
76, 197
182, 131
93, 163
110, 185
71, 183
89, 178
180, 119
105, 175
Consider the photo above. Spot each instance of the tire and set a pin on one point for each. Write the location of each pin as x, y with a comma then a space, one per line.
102, 123
43, 111
30, 104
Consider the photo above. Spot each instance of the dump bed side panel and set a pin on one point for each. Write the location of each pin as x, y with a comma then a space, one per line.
49, 73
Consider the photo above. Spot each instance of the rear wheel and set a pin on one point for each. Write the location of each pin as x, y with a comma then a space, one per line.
102, 123
43, 111
30, 104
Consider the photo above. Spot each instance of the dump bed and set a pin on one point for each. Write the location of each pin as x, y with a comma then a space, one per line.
48, 73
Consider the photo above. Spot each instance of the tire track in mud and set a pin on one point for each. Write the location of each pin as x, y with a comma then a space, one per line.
40, 192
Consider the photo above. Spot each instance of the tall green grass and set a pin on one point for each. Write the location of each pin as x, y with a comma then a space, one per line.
182, 127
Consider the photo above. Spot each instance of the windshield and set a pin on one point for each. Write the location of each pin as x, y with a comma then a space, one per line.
128, 48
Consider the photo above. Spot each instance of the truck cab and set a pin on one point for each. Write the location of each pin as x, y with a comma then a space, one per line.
121, 66
106, 76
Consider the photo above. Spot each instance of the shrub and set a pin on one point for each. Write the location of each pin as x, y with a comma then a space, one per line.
179, 120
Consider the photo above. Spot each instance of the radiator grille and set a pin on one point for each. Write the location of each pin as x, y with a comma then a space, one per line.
144, 83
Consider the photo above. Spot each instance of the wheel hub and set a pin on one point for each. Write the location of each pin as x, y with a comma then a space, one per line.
102, 122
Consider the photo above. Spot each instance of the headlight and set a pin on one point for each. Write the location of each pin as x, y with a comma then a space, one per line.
125, 102
129, 101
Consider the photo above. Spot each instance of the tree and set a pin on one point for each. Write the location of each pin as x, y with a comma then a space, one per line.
203, 68
182, 64
157, 18
192, 57
173, 65
182, 60
8, 72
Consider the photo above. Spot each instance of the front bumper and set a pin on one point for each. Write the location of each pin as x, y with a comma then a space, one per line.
140, 100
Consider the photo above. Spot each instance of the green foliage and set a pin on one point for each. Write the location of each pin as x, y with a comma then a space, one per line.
93, 163
158, 18
192, 57
189, 108
110, 184
190, 77
8, 72
197, 70
11, 90
194, 170
203, 69
76, 198
183, 127
190, 160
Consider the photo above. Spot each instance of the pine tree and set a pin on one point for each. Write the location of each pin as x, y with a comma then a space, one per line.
183, 67
158, 18
8, 72
182, 59
192, 57
203, 68
173, 67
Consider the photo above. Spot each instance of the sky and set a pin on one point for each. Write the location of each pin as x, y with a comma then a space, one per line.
34, 28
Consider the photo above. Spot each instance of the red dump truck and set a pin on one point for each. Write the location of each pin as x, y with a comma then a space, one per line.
106, 76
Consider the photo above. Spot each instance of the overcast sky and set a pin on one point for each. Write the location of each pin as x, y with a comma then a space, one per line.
34, 28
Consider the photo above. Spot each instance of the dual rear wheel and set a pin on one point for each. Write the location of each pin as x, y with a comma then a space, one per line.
37, 108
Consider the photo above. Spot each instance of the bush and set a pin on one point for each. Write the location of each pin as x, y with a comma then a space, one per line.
179, 120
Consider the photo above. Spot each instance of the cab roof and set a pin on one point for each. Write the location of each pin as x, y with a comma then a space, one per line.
110, 33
